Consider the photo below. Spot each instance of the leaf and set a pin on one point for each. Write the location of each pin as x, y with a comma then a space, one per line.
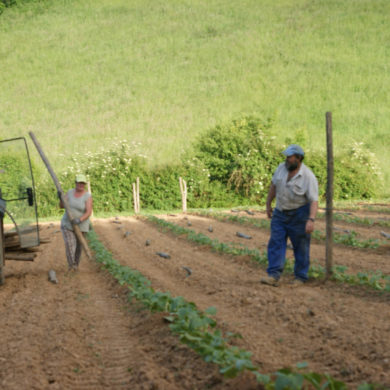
301, 365
264, 379
288, 382
229, 371
211, 311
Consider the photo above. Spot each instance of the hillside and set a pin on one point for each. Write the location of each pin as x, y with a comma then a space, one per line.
81, 73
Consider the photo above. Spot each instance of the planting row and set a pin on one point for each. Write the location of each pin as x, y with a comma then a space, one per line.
198, 330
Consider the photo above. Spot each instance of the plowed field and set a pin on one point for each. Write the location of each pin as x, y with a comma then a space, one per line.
82, 333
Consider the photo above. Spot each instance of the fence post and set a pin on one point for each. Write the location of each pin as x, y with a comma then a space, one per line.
136, 196
183, 190
329, 197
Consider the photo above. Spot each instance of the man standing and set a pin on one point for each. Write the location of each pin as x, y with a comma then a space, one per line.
296, 190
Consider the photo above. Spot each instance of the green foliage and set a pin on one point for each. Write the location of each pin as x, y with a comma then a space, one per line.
198, 330
373, 279
195, 329
356, 172
240, 155
230, 165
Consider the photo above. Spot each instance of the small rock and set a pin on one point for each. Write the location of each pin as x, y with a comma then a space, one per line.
210, 229
126, 234
188, 270
384, 234
147, 242
163, 254
52, 277
242, 235
189, 223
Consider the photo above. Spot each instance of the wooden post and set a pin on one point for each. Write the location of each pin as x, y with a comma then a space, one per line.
138, 204
183, 190
136, 196
329, 197
76, 228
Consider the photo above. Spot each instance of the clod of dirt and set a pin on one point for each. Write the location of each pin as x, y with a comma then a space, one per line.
188, 270
242, 235
189, 223
126, 234
147, 242
310, 312
163, 254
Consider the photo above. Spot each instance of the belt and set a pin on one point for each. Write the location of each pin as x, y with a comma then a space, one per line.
291, 211
288, 212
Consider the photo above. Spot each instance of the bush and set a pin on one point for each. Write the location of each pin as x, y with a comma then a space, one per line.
356, 173
241, 156
230, 165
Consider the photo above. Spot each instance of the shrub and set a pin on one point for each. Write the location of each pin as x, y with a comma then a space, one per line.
240, 155
230, 165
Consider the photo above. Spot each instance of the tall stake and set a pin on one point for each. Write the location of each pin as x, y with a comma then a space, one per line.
135, 199
76, 228
138, 205
329, 196
183, 190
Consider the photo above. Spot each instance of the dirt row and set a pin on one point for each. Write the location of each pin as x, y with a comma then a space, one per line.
82, 333
322, 325
356, 260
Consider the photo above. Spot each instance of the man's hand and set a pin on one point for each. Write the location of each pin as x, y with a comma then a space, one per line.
309, 226
76, 221
269, 211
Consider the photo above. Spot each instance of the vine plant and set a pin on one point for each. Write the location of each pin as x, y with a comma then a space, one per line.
198, 330
376, 280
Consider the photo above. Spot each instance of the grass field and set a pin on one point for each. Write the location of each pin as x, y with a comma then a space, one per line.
80, 73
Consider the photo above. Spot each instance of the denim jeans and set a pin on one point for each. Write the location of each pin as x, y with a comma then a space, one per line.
284, 224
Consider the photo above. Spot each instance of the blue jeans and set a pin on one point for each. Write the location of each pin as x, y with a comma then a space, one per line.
284, 224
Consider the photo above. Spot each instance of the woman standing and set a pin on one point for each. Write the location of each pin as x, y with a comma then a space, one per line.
80, 205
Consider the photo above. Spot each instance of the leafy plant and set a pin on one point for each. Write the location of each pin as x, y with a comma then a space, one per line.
198, 330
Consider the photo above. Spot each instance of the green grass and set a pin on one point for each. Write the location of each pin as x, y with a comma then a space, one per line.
80, 73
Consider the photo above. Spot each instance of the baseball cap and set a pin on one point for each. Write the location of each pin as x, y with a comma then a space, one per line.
293, 149
80, 178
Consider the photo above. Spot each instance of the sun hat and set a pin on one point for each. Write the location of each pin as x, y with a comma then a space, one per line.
80, 178
293, 149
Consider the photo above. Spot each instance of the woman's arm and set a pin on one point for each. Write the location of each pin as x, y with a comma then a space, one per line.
88, 209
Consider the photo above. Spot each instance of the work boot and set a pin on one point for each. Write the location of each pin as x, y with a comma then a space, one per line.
270, 281
297, 282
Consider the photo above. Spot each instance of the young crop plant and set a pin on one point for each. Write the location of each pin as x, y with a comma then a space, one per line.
198, 330
376, 280
348, 239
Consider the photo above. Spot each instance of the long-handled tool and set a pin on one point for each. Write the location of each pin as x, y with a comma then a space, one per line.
76, 228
